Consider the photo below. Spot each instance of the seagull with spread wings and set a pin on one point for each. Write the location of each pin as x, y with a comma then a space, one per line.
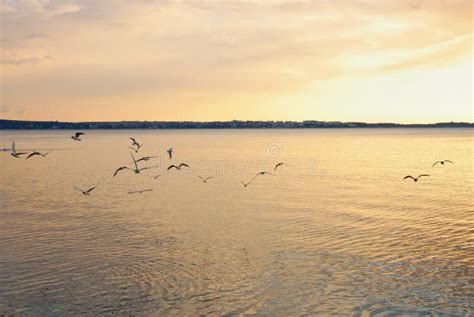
16, 154
36, 153
442, 162
205, 179
146, 158
415, 179
77, 136
255, 177
85, 192
140, 191
178, 167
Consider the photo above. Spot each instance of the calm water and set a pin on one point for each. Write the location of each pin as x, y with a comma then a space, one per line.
336, 232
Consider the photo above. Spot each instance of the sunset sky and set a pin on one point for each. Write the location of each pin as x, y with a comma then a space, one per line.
359, 60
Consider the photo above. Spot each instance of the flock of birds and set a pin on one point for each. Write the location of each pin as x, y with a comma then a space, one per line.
136, 146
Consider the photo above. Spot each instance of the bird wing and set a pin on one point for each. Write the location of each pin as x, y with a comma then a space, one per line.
91, 189
134, 161
255, 177
133, 140
120, 169
78, 134
21, 153
13, 147
208, 178
435, 163
449, 161
423, 175
278, 165
172, 166
44, 154
183, 165
32, 154
406, 177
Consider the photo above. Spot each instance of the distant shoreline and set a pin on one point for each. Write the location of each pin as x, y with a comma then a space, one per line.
164, 125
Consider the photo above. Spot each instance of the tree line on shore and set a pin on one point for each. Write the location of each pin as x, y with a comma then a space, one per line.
235, 124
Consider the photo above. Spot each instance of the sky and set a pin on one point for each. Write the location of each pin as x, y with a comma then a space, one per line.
401, 61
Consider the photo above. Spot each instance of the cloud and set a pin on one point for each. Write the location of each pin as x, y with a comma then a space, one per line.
124, 48
13, 110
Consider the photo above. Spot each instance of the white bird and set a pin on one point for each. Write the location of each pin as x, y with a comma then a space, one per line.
170, 153
179, 167
85, 192
77, 136
415, 179
14, 153
204, 179
255, 177
442, 162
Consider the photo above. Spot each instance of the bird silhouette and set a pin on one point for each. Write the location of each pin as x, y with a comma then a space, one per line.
140, 191
442, 162
121, 169
36, 153
14, 153
170, 153
278, 165
134, 142
178, 167
77, 136
205, 179
415, 179
146, 158
255, 177
85, 192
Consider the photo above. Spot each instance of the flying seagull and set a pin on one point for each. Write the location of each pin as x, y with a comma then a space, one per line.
137, 170
85, 192
140, 191
278, 165
77, 136
121, 169
35, 153
179, 167
442, 162
204, 179
146, 158
135, 143
170, 153
259, 174
415, 179
14, 153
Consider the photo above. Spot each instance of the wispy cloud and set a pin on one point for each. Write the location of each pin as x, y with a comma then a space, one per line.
119, 47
